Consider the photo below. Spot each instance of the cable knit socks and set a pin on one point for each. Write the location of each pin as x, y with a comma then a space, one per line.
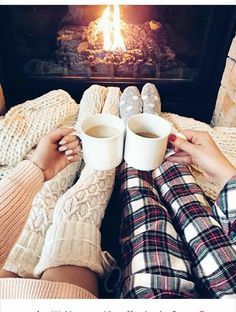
26, 252
74, 236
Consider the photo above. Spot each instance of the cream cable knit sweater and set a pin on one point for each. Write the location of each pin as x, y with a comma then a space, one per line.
17, 192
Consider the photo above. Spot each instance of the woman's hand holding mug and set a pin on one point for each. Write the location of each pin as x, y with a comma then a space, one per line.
199, 149
51, 154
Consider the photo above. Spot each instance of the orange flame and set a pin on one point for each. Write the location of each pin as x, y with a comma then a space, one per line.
112, 29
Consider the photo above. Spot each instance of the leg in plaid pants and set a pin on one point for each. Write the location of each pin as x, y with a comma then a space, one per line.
155, 261
212, 252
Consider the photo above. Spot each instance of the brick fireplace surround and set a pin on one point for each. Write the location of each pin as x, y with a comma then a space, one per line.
225, 110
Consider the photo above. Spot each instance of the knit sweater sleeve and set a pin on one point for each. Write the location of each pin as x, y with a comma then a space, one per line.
224, 208
17, 191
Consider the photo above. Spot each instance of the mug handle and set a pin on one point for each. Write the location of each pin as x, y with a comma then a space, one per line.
170, 151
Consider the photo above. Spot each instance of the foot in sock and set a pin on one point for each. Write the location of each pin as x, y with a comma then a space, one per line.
151, 99
91, 103
130, 103
111, 105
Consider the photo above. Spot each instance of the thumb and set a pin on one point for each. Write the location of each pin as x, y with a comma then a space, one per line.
182, 144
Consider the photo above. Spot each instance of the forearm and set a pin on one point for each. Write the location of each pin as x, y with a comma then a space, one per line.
17, 191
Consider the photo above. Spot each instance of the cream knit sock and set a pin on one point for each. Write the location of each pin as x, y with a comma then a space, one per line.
151, 99
74, 236
130, 103
26, 252
92, 102
111, 105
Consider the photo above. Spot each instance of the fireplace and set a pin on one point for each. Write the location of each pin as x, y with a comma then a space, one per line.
181, 49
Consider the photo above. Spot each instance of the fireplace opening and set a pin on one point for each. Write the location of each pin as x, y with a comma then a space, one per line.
180, 48
159, 43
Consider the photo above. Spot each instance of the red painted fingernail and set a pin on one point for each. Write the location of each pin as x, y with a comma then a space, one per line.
172, 137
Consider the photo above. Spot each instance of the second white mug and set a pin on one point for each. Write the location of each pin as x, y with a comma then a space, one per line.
146, 141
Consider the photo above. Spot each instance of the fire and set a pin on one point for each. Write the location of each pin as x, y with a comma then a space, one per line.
111, 28
106, 29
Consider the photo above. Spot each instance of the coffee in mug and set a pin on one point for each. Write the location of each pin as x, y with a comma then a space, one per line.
102, 131
102, 140
147, 134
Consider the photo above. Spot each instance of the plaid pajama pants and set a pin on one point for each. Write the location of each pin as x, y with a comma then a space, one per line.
171, 247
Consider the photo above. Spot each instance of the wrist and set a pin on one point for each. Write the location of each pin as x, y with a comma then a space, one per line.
39, 167
226, 175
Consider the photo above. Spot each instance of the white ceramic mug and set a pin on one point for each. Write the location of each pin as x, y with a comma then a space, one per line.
141, 152
103, 153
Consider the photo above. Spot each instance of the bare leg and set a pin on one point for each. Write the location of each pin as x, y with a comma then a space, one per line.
78, 276
4, 274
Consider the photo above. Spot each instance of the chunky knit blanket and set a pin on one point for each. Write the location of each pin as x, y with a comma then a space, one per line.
24, 125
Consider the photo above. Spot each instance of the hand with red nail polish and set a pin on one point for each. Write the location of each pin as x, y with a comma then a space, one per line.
199, 149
